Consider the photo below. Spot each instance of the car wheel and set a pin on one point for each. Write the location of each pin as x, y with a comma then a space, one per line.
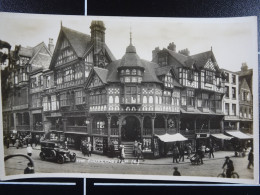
42, 156
73, 158
60, 159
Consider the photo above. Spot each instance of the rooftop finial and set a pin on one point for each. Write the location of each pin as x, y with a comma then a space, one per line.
130, 35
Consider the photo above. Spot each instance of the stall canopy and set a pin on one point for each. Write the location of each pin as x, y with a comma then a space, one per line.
171, 138
239, 135
221, 136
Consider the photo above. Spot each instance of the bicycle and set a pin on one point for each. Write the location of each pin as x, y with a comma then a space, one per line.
233, 174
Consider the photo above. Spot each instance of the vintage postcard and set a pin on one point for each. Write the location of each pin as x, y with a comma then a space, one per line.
136, 98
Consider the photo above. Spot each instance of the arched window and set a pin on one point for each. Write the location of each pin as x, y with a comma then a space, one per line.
156, 100
150, 99
134, 72
111, 99
144, 100
127, 79
127, 71
116, 99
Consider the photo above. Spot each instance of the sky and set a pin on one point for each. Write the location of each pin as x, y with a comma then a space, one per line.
233, 40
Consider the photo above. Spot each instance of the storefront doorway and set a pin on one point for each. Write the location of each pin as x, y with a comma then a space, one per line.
131, 129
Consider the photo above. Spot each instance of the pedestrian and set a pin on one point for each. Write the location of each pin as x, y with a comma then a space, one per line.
189, 150
250, 159
7, 142
89, 148
175, 154
211, 151
176, 172
122, 154
139, 152
17, 143
135, 148
181, 151
29, 150
29, 169
203, 150
200, 156
230, 166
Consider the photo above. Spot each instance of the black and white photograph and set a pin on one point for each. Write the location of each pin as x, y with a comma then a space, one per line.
126, 97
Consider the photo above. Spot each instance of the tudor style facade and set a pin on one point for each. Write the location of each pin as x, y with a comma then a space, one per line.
201, 94
18, 107
64, 100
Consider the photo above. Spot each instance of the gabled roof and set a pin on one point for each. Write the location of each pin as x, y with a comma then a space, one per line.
162, 70
78, 40
26, 51
202, 58
179, 57
244, 85
102, 74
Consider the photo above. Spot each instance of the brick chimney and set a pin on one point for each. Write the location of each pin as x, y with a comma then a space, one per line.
244, 67
185, 52
154, 54
50, 45
172, 47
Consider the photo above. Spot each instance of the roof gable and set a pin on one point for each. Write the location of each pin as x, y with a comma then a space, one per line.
97, 78
209, 65
245, 85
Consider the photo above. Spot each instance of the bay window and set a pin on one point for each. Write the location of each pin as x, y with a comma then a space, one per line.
79, 95
209, 77
132, 94
190, 98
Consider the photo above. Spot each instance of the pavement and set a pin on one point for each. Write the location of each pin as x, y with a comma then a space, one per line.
159, 161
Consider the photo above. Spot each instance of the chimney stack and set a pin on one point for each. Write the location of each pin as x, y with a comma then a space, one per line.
51, 46
172, 47
244, 67
185, 52
154, 54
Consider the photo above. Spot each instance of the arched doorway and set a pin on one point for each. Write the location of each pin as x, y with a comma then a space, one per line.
131, 129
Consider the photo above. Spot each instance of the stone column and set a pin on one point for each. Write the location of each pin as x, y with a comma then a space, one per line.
142, 127
31, 121
165, 122
15, 120
108, 127
120, 120
64, 121
153, 119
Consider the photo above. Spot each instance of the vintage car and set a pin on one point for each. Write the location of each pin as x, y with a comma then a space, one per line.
54, 151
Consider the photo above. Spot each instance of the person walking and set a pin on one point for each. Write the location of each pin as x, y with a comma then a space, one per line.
211, 151
175, 154
176, 172
200, 155
139, 152
189, 150
181, 154
135, 148
230, 166
250, 159
29, 150
122, 154
89, 149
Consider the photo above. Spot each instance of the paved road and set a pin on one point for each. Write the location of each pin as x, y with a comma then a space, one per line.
101, 164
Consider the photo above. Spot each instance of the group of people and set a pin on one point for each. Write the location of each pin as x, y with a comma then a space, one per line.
86, 148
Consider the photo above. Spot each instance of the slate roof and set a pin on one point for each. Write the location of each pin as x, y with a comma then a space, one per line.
78, 40
202, 58
102, 74
26, 51
162, 70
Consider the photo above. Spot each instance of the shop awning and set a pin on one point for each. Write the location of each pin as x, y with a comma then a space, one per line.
221, 136
239, 135
172, 138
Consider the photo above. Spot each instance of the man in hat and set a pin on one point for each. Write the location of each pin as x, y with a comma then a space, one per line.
176, 172
250, 159
230, 166
29, 169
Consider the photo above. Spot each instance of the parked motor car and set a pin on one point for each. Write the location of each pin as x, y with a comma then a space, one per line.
55, 151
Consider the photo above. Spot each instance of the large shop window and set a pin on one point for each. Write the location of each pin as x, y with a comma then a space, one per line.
132, 95
98, 144
98, 98
209, 77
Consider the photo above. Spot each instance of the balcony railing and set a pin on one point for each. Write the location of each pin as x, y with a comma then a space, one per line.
147, 131
114, 131
57, 127
77, 129
202, 131
172, 130
187, 132
23, 127
99, 131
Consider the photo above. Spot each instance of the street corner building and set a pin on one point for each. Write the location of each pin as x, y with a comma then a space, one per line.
77, 90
